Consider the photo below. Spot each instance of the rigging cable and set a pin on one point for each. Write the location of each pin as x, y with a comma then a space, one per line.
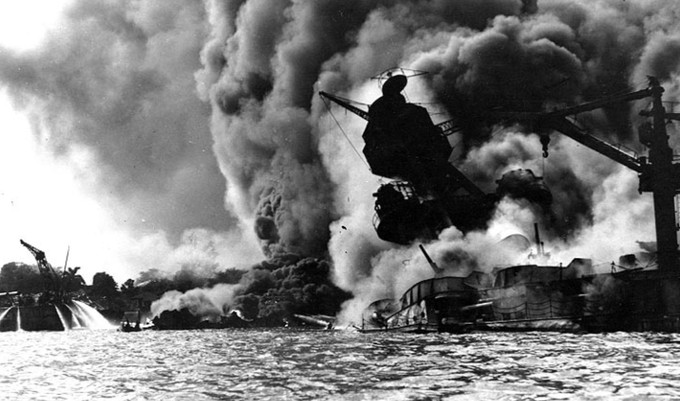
345, 134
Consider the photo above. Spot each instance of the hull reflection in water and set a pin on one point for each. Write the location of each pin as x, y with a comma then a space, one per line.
52, 317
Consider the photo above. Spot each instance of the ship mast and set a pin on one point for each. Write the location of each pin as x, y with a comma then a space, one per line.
658, 174
664, 185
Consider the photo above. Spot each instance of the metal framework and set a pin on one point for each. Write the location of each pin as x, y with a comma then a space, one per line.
658, 174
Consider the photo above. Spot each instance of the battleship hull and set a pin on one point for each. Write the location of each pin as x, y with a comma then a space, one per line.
442, 304
536, 298
51, 317
32, 318
626, 301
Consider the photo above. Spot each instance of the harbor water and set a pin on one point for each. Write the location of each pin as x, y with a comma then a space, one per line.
337, 365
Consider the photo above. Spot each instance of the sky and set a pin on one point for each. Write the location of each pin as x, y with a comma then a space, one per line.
23, 26
52, 199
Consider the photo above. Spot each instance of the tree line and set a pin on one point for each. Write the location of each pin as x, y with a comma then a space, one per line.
109, 297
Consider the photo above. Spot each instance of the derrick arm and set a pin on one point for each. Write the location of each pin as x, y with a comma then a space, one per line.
658, 173
461, 179
37, 253
447, 127
557, 120
600, 103
574, 132
44, 266
345, 104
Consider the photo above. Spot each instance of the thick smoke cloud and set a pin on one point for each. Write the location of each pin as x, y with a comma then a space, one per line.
112, 93
554, 54
118, 81
511, 55
125, 81
268, 294
260, 69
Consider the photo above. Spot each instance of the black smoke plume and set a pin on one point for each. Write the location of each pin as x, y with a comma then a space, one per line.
122, 81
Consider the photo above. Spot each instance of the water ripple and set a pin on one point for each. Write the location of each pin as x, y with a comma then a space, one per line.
306, 365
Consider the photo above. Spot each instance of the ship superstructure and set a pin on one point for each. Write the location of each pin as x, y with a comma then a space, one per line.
429, 194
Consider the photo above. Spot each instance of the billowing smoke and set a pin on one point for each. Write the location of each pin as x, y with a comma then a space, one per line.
555, 54
112, 94
211, 304
124, 81
273, 290
269, 293
118, 81
260, 68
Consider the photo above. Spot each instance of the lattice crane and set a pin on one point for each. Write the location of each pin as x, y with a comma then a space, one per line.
51, 276
657, 172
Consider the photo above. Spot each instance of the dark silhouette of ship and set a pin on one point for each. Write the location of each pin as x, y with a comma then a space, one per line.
428, 194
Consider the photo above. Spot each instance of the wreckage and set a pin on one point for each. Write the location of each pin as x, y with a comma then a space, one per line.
429, 194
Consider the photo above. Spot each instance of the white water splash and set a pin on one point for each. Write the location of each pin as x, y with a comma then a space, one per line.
94, 320
19, 319
75, 322
5, 313
62, 318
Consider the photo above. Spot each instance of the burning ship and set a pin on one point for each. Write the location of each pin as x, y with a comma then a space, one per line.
428, 194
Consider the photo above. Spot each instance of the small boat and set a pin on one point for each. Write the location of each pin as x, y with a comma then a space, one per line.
127, 326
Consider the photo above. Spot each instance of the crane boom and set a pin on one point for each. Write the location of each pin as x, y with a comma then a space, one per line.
574, 132
600, 103
658, 174
345, 104
446, 128
37, 253
557, 121
44, 266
